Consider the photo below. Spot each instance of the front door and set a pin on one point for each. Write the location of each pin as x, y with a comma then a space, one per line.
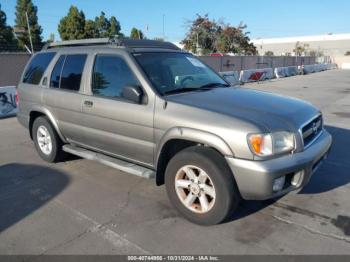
113, 124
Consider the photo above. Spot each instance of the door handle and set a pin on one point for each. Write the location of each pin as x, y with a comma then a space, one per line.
88, 103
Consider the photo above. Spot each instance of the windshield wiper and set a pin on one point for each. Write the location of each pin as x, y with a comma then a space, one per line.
180, 90
191, 89
214, 85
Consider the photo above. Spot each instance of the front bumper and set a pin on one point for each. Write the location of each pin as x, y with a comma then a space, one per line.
255, 178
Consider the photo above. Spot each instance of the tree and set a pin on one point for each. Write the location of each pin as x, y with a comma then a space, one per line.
90, 29
300, 48
208, 36
72, 26
75, 26
201, 35
107, 27
23, 7
234, 40
269, 53
51, 38
6, 37
314, 53
136, 33
115, 27
102, 25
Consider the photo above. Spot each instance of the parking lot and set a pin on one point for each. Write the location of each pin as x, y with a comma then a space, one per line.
82, 207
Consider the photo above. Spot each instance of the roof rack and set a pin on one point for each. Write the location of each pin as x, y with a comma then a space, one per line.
83, 42
128, 43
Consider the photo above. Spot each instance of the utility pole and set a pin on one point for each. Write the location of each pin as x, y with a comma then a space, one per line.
296, 53
25, 46
30, 34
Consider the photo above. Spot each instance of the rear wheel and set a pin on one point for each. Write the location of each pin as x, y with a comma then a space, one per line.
46, 141
201, 186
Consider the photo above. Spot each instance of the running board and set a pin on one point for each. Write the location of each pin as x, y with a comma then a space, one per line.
110, 161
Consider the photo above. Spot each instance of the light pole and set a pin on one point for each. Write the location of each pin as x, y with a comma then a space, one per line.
296, 53
262, 52
30, 34
164, 27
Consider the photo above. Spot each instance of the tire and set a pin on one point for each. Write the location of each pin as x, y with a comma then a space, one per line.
51, 154
220, 203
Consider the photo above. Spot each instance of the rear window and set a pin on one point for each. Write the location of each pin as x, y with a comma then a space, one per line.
37, 67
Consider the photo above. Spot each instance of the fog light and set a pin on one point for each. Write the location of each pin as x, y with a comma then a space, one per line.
278, 184
297, 179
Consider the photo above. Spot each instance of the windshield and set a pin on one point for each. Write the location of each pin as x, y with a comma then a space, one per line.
177, 72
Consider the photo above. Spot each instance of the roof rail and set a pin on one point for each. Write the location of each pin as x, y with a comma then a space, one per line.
128, 43
83, 42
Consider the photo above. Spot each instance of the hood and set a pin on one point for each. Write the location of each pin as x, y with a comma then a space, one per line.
264, 109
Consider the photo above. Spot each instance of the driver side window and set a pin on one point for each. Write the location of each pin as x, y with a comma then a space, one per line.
110, 75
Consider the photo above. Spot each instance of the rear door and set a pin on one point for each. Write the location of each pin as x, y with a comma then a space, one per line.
115, 125
65, 94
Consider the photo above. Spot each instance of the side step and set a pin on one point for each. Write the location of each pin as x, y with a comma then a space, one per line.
110, 161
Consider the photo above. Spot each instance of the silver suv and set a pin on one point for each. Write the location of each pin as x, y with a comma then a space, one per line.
147, 108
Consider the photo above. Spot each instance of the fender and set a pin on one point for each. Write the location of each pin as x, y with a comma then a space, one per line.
52, 119
194, 135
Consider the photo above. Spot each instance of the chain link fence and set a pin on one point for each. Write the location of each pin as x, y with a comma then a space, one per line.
238, 63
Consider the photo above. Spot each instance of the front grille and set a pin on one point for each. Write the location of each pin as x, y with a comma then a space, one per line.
312, 130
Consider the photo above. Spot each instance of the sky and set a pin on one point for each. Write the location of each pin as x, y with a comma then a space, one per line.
264, 18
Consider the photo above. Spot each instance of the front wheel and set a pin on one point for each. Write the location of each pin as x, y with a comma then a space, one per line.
201, 186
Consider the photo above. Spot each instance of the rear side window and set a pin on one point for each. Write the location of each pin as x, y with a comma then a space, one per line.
72, 72
37, 67
67, 72
56, 73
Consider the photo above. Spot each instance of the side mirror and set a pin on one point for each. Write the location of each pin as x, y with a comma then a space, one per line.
133, 93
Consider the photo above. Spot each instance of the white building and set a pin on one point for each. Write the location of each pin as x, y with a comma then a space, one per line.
333, 45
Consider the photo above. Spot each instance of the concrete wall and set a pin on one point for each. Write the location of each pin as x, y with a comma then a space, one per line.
11, 68
343, 62
237, 63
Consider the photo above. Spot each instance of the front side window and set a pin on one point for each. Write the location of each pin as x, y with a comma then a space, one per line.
37, 67
72, 72
177, 72
110, 75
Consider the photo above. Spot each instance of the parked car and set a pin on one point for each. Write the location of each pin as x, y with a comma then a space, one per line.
150, 109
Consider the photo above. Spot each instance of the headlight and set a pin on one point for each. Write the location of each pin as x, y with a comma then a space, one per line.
271, 144
283, 142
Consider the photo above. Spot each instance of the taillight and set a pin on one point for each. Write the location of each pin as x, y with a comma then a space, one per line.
17, 98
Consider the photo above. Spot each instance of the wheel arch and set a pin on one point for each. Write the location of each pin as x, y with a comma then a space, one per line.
179, 138
40, 111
